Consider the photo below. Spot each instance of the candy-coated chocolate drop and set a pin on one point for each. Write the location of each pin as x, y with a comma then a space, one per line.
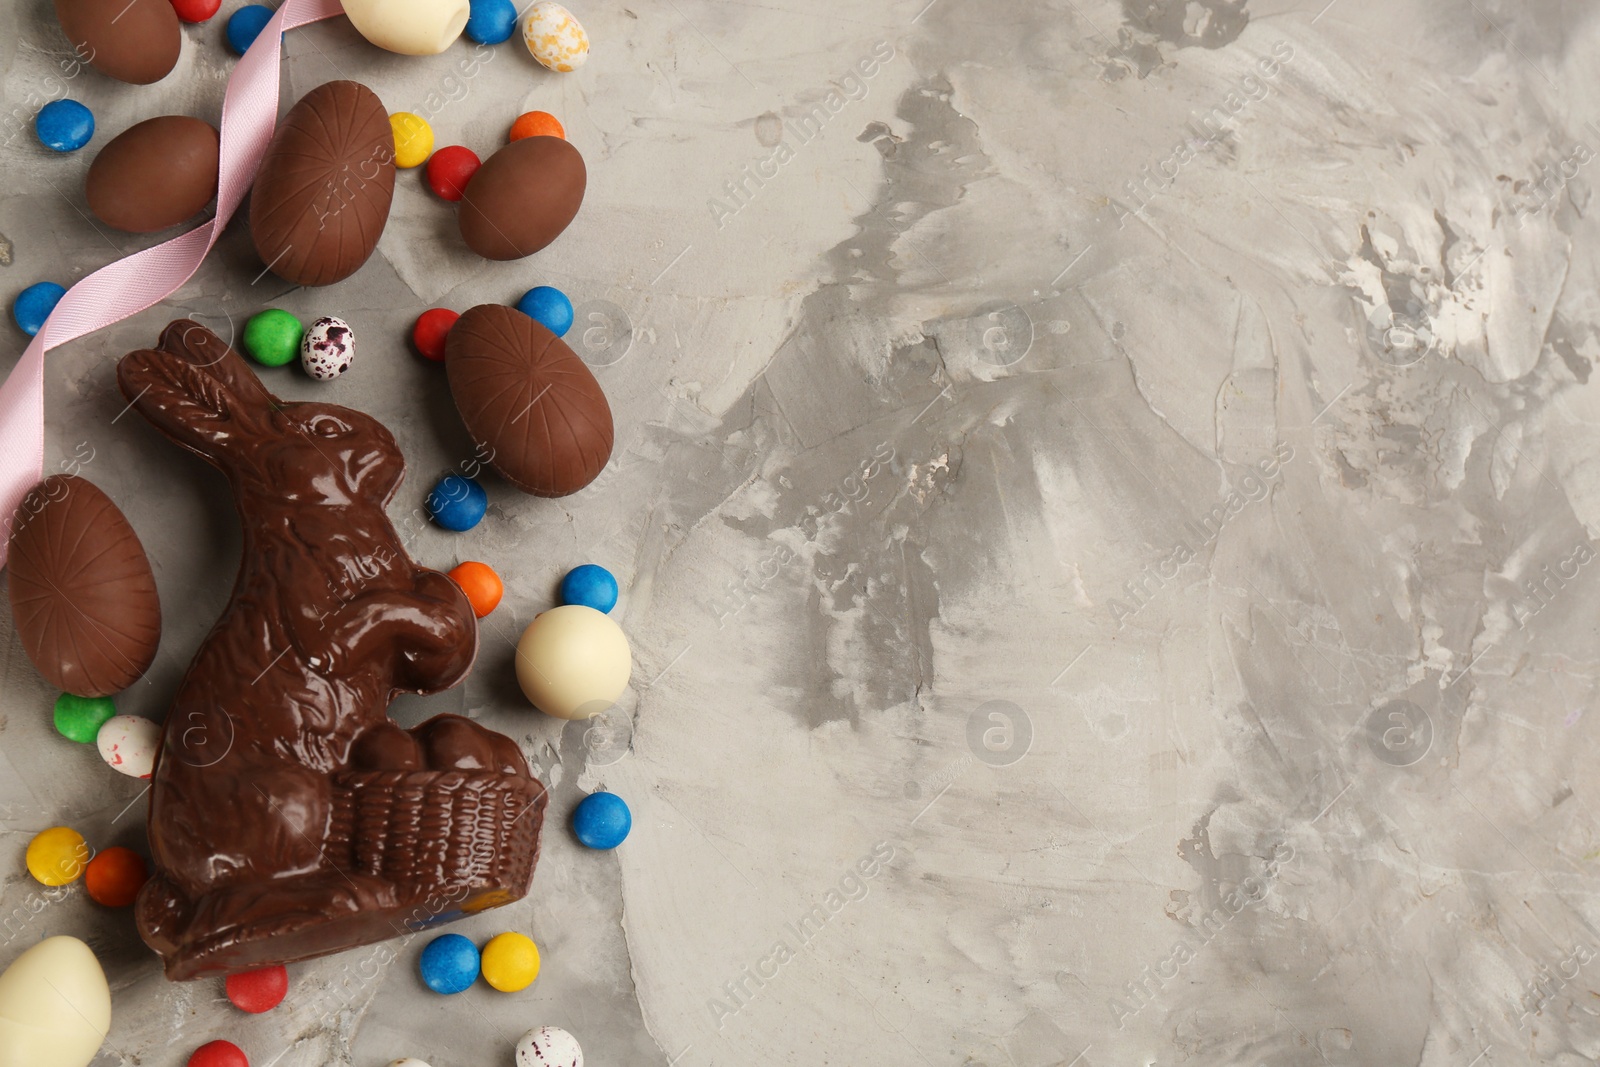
64, 125
450, 169
80, 718
115, 876
413, 139
431, 330
57, 856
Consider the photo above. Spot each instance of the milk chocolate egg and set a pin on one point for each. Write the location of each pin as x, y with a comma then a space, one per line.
154, 175
82, 593
530, 399
131, 40
522, 197
322, 195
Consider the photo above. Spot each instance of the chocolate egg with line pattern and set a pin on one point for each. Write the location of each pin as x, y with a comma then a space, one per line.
322, 194
83, 596
530, 399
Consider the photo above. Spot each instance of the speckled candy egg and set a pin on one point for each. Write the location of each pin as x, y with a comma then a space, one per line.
555, 38
327, 348
129, 744
549, 1046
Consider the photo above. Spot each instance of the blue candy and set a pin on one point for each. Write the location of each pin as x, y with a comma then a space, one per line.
602, 820
457, 503
549, 307
245, 25
64, 125
449, 963
492, 21
590, 585
34, 305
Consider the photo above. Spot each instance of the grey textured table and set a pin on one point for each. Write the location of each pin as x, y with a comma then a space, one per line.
1120, 474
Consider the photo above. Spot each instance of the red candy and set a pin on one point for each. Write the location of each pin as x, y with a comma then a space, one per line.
115, 876
258, 991
219, 1054
432, 327
449, 170
196, 10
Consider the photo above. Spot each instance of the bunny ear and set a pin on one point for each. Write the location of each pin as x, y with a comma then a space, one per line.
193, 343
182, 402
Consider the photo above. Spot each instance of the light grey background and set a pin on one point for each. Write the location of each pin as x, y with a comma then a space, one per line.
932, 418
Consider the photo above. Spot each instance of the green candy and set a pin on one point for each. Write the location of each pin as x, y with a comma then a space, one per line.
273, 337
80, 718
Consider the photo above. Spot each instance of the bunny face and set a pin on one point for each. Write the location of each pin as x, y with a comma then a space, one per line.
329, 456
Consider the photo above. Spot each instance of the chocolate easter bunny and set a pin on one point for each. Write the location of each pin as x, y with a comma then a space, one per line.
289, 816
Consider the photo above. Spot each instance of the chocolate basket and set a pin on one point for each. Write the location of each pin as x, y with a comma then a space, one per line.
432, 830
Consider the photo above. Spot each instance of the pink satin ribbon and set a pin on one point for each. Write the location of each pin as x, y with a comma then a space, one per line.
136, 282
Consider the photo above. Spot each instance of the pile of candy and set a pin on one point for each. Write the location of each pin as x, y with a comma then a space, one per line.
573, 661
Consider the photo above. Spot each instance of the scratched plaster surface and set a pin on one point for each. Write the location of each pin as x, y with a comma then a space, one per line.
1104, 505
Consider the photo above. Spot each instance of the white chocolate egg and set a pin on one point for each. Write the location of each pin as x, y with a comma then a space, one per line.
129, 743
573, 662
549, 1046
410, 27
55, 1006
556, 39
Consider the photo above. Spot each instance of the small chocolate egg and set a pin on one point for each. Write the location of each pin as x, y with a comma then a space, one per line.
556, 39
82, 592
522, 197
526, 395
549, 1046
323, 190
55, 1004
154, 174
327, 348
129, 743
131, 40
573, 662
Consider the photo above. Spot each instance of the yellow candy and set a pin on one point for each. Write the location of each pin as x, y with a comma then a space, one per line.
413, 139
57, 856
510, 962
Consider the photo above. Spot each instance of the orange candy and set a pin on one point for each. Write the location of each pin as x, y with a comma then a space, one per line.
481, 584
537, 124
115, 876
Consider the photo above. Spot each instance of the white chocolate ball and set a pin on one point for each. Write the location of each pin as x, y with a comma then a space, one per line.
573, 662
410, 27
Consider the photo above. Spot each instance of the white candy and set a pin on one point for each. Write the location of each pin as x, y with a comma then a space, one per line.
129, 744
549, 1046
555, 38
410, 27
327, 348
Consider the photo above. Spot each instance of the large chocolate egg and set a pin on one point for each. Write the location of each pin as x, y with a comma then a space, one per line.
530, 399
82, 593
522, 197
322, 195
154, 175
131, 40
